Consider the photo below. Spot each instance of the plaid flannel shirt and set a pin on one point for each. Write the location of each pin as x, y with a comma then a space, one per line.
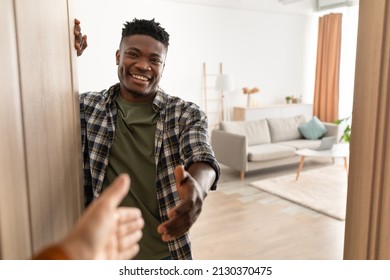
181, 138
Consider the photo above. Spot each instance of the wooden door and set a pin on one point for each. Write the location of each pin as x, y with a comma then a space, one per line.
40, 177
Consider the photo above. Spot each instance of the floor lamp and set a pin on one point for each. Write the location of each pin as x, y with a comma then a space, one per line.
224, 83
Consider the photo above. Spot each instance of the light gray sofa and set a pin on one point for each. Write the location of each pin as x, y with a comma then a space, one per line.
254, 145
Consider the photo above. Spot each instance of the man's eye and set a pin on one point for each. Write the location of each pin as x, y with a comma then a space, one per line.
131, 54
156, 61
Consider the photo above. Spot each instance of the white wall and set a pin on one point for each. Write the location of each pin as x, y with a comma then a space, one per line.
347, 61
273, 51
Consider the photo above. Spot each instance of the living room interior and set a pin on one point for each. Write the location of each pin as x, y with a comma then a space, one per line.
268, 45
38, 146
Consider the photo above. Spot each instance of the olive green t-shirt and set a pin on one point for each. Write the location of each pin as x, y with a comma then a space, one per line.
132, 152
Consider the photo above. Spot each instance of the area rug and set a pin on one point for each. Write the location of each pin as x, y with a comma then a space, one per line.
321, 189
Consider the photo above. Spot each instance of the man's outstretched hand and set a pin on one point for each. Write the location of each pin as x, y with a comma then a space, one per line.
184, 215
80, 41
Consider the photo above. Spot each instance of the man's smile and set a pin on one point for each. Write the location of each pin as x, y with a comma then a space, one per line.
140, 77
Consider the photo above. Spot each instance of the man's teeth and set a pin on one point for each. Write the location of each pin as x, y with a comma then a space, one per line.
139, 77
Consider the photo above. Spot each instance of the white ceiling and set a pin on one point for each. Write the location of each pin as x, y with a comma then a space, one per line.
306, 7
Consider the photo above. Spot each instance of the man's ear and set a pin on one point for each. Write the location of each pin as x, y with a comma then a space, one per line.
117, 55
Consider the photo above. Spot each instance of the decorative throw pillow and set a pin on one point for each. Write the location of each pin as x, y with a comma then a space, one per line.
313, 129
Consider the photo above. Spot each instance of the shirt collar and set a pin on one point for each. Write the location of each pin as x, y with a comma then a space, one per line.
159, 102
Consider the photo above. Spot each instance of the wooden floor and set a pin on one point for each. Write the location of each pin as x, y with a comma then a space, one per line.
240, 222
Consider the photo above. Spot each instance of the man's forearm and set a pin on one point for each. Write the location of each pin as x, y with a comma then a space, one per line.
204, 174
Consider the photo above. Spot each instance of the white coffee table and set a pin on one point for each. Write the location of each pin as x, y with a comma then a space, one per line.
340, 150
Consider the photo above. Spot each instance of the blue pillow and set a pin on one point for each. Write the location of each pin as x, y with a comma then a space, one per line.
313, 129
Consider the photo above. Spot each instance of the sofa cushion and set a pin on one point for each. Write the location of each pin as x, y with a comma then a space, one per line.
256, 132
302, 144
284, 129
313, 129
269, 152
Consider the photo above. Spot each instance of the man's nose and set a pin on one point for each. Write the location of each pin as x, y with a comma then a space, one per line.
143, 65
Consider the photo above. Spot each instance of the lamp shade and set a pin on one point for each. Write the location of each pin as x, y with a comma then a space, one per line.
224, 83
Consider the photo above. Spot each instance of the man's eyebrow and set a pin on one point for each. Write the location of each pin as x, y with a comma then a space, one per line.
139, 51
132, 49
155, 55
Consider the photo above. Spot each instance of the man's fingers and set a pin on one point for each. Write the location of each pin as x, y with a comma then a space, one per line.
80, 39
84, 42
178, 231
170, 227
77, 28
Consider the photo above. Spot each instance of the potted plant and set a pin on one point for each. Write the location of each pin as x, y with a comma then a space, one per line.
346, 136
288, 99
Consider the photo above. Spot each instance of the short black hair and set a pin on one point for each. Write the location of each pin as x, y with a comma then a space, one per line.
146, 27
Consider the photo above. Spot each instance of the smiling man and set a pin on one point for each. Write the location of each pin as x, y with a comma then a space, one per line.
161, 141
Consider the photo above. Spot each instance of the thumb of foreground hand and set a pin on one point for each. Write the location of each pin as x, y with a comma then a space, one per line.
115, 193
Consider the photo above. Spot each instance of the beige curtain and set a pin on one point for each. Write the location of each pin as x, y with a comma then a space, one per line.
326, 90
